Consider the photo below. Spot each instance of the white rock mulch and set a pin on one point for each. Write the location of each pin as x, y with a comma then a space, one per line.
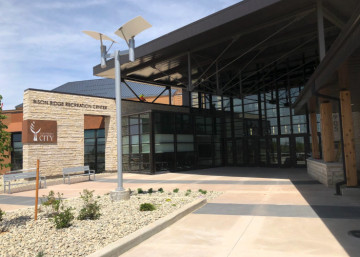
26, 237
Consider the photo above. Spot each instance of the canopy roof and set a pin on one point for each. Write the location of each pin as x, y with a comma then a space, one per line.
244, 48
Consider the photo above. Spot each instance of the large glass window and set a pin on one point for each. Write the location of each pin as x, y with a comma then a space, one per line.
136, 142
94, 149
17, 151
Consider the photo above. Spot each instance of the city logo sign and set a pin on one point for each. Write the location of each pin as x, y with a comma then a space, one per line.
39, 131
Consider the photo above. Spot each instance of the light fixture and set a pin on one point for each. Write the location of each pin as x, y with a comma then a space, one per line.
127, 32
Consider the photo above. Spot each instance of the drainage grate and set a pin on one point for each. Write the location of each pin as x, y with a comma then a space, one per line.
354, 233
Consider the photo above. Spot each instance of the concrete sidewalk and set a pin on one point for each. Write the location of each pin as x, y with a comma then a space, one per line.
263, 212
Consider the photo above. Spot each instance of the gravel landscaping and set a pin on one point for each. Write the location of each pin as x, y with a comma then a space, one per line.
25, 237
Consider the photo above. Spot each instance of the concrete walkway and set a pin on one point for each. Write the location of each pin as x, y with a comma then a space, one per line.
262, 212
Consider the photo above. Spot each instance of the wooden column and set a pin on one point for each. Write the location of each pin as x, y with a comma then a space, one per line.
348, 136
314, 137
327, 132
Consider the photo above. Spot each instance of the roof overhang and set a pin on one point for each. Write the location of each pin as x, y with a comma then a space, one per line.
242, 37
325, 80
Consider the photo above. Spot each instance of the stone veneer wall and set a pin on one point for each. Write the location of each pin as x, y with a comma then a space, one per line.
326, 173
69, 149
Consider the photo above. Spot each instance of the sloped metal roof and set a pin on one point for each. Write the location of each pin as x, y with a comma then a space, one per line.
106, 88
252, 36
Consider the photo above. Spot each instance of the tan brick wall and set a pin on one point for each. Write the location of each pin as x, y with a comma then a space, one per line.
69, 149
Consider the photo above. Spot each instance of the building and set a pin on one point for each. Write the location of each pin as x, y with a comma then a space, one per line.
236, 89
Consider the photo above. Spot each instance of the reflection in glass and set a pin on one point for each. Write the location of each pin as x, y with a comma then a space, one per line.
285, 151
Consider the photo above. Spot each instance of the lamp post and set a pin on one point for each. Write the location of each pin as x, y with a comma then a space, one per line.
127, 32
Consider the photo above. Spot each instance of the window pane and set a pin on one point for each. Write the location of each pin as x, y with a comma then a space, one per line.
185, 138
101, 133
89, 133
135, 139
134, 120
145, 148
164, 138
16, 137
185, 147
145, 138
164, 148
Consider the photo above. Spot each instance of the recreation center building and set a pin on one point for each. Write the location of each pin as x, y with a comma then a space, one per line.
271, 83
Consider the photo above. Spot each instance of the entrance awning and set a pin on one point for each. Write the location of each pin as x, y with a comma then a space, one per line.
239, 50
324, 80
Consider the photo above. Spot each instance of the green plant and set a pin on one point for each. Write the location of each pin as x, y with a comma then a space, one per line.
147, 207
176, 190
168, 200
91, 208
63, 219
5, 141
40, 254
140, 191
188, 192
1, 214
173, 204
52, 202
161, 190
150, 190
204, 192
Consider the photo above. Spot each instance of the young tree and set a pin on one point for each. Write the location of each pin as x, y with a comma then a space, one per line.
5, 142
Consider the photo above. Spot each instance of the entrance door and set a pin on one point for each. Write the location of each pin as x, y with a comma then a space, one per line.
293, 151
285, 152
300, 150
94, 149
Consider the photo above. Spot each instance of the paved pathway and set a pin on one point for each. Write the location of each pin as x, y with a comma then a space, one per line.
263, 212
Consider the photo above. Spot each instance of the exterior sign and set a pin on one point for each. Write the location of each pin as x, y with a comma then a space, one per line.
39, 131
70, 104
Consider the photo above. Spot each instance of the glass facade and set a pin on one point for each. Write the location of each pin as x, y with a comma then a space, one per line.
255, 130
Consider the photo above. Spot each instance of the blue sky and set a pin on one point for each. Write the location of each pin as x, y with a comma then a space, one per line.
42, 45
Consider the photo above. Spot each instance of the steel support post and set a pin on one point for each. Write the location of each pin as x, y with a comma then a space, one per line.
321, 34
119, 193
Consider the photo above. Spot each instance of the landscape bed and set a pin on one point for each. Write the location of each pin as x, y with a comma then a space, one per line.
23, 236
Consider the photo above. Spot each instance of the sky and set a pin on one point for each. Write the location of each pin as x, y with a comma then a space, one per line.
42, 46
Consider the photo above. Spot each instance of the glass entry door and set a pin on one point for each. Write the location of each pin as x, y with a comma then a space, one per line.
300, 149
285, 152
94, 149
293, 151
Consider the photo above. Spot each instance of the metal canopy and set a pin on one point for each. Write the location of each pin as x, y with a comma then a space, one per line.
239, 50
324, 80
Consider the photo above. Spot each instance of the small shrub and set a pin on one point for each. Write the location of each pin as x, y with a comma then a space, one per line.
150, 191
168, 200
147, 207
173, 205
63, 219
91, 208
188, 192
52, 202
161, 190
140, 191
176, 190
40, 254
1, 214
204, 192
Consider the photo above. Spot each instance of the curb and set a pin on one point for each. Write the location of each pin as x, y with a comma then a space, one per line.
126, 243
